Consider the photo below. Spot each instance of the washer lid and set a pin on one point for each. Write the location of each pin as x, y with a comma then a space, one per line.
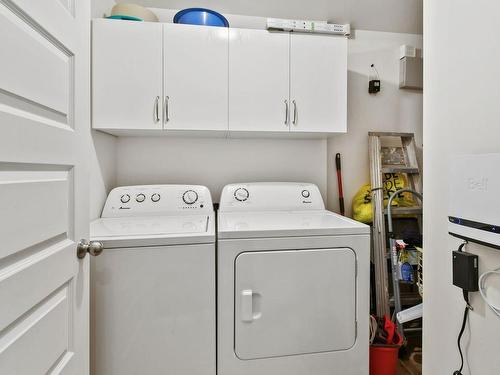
286, 224
153, 230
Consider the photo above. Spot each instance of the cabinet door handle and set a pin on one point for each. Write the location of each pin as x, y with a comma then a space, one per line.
167, 116
156, 113
294, 113
287, 111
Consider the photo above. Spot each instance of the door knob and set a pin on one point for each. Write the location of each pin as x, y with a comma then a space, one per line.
94, 248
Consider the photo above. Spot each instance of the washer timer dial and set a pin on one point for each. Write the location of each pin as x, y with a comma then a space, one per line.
125, 198
241, 194
190, 197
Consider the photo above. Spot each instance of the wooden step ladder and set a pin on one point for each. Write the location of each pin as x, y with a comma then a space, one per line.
377, 171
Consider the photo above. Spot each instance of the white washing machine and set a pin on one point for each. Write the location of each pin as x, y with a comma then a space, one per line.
153, 286
293, 284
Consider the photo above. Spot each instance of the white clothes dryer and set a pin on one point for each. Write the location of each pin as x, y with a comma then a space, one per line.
293, 284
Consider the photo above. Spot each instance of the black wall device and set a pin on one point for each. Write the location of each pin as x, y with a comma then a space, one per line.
374, 81
374, 86
465, 271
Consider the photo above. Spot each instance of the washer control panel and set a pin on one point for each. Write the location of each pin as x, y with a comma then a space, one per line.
155, 200
241, 194
270, 196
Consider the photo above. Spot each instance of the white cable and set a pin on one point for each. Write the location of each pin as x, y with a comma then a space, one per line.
484, 276
373, 329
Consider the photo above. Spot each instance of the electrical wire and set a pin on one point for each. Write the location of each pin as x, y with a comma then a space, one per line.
376, 71
464, 322
482, 290
462, 330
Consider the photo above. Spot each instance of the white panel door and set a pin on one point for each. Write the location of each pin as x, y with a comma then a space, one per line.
294, 302
126, 74
258, 80
44, 142
195, 81
318, 83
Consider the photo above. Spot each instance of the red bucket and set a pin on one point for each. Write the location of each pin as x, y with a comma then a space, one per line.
384, 359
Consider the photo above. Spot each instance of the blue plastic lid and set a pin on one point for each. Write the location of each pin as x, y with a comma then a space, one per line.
200, 16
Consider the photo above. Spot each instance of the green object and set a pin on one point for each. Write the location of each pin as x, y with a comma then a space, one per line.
126, 18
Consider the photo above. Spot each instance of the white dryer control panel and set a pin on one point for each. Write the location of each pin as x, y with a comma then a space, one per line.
154, 200
271, 196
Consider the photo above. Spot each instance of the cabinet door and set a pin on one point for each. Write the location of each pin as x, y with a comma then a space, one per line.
195, 79
258, 80
127, 71
318, 83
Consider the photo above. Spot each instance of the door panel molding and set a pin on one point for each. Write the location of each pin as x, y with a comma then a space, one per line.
37, 71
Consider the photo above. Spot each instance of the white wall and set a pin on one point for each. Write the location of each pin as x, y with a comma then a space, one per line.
215, 162
391, 109
102, 170
103, 150
383, 15
461, 115
101, 7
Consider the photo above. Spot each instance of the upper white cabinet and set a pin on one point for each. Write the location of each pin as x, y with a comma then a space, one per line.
258, 80
195, 77
173, 77
127, 71
318, 83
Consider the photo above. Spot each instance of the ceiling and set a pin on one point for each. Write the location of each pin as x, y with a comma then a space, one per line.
403, 16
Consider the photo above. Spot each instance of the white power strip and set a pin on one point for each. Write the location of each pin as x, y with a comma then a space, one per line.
321, 27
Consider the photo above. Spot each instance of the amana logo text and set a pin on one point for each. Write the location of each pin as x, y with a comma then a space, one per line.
480, 184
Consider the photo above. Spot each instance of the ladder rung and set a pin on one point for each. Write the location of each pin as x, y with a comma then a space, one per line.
407, 299
391, 134
400, 169
397, 211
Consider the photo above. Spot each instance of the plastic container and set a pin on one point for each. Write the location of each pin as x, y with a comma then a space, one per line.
384, 359
133, 12
125, 18
201, 16
410, 314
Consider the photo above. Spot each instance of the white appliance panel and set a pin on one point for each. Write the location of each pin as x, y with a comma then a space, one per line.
294, 302
271, 196
285, 224
148, 226
154, 310
158, 200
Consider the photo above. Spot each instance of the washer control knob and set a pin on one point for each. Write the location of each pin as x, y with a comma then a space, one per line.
140, 198
155, 197
125, 198
306, 193
241, 194
190, 197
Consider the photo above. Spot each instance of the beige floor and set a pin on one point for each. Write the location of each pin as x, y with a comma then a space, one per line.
409, 368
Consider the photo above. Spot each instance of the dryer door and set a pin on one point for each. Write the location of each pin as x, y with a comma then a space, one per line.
294, 302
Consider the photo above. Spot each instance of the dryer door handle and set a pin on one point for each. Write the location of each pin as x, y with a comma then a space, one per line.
250, 305
247, 305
